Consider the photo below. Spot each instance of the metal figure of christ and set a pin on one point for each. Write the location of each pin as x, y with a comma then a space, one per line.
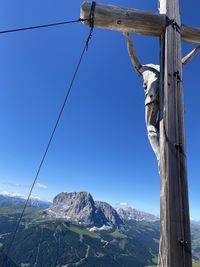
151, 83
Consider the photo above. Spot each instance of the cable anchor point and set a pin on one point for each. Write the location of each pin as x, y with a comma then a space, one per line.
91, 15
91, 22
174, 24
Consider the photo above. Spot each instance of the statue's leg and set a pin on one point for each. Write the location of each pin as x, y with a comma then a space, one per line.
151, 114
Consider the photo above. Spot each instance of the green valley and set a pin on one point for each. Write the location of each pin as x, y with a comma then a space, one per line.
46, 242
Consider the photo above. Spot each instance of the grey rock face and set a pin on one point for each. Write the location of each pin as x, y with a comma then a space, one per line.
133, 214
80, 207
77, 207
110, 213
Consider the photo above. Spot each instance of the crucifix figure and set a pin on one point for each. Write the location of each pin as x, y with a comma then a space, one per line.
164, 87
151, 83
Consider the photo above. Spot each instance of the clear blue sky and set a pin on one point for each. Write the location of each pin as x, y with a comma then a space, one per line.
101, 144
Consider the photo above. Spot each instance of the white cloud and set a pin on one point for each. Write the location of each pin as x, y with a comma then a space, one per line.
12, 194
123, 204
35, 197
37, 185
40, 186
15, 184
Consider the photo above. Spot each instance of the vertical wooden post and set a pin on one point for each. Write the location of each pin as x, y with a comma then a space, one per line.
175, 240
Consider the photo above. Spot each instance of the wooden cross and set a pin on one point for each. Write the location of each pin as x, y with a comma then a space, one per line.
175, 238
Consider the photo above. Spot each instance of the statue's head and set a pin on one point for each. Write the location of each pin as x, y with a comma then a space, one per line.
151, 77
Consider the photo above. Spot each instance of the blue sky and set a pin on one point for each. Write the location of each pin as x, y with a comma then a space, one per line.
101, 144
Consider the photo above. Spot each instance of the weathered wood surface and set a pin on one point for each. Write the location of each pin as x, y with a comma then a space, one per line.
175, 241
124, 19
134, 21
190, 34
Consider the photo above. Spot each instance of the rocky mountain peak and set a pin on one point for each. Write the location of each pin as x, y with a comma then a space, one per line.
81, 208
110, 213
129, 213
77, 199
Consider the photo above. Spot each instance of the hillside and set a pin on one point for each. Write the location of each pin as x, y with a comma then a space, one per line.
44, 241
57, 242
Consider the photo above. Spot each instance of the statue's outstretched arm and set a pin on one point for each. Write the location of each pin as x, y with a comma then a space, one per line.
189, 57
132, 54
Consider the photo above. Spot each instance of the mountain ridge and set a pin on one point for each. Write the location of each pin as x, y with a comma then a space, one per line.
124, 212
15, 200
81, 208
129, 213
44, 241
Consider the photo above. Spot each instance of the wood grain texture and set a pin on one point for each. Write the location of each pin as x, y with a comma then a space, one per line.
175, 223
190, 34
124, 19
134, 21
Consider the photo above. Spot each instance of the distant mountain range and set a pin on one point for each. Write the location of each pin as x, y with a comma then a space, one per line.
195, 222
15, 201
129, 213
77, 231
80, 207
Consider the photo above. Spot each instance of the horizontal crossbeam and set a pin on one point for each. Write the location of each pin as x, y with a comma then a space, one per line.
190, 35
134, 21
